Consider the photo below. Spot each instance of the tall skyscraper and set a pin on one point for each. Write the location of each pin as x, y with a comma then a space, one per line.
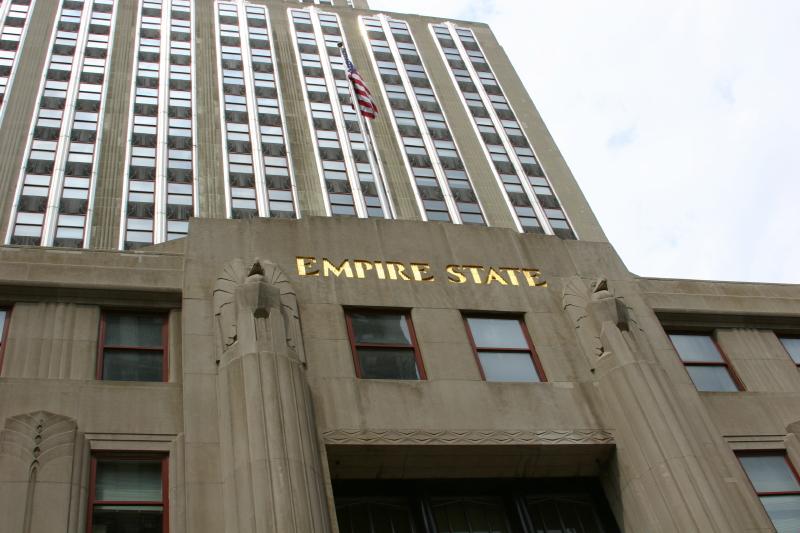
231, 302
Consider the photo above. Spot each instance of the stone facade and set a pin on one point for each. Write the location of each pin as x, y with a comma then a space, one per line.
261, 415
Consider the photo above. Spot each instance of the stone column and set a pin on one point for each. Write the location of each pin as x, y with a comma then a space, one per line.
271, 464
664, 444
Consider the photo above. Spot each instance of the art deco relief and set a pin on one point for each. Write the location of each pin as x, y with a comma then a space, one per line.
466, 437
38, 438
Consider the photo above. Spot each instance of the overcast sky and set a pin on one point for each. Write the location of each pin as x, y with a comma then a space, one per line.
680, 120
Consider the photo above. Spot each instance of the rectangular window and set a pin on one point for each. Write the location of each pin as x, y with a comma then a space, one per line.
384, 345
128, 492
133, 347
705, 362
5, 315
792, 347
778, 487
503, 349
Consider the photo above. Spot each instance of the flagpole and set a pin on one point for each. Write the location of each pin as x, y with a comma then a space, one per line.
371, 155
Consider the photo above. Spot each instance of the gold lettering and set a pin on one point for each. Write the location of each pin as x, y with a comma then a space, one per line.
303, 265
330, 268
379, 270
531, 275
496, 277
473, 269
362, 266
419, 270
454, 275
512, 274
397, 271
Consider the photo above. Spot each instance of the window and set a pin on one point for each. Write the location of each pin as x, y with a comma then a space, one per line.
133, 347
705, 363
384, 345
503, 349
778, 487
128, 493
5, 315
569, 505
792, 347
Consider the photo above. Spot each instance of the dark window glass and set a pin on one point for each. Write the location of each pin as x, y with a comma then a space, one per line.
704, 362
128, 495
776, 483
133, 347
4, 315
503, 349
384, 346
472, 506
792, 346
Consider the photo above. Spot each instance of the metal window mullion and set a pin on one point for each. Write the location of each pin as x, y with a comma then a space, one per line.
223, 121
62, 148
123, 225
29, 142
4, 10
338, 115
531, 145
162, 148
392, 119
423, 126
98, 137
252, 111
307, 103
193, 77
486, 152
512, 155
270, 36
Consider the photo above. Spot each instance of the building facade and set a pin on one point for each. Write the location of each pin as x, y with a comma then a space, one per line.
228, 303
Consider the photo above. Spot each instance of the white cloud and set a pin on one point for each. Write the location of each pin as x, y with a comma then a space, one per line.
680, 121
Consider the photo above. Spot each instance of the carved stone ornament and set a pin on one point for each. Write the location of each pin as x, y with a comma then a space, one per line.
590, 307
38, 438
466, 437
243, 293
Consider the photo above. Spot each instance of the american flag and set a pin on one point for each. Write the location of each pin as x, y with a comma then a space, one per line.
366, 105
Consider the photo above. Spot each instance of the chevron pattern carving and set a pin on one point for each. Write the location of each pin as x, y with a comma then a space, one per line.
466, 437
37, 438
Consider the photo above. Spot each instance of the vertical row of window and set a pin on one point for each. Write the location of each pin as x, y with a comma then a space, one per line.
56, 182
350, 177
259, 176
443, 188
160, 181
526, 187
14, 17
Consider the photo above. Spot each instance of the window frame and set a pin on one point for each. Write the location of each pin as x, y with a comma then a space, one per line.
767, 453
726, 363
4, 335
780, 336
162, 457
101, 347
348, 311
520, 319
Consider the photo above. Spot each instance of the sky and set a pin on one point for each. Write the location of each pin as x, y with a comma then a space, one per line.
680, 120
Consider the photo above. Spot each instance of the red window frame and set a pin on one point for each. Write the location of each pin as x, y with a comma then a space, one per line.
102, 346
354, 346
781, 453
725, 361
4, 335
537, 364
129, 456
780, 338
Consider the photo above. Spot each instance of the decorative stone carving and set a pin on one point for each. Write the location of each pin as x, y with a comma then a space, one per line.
271, 462
466, 437
38, 438
590, 307
34, 440
242, 294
